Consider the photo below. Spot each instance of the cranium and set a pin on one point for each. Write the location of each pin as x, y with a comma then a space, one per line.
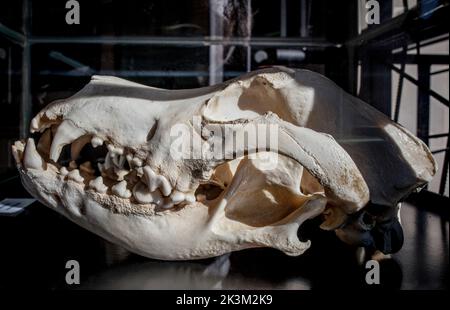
336, 157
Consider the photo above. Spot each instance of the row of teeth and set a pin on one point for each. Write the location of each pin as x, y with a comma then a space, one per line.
150, 189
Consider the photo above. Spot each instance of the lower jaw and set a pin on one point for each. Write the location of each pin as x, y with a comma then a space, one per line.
174, 234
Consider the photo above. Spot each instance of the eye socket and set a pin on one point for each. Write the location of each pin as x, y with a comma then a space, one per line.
152, 131
368, 220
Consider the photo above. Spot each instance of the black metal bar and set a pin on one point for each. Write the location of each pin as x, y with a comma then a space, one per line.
444, 172
423, 103
439, 135
183, 41
401, 76
439, 151
432, 93
417, 59
25, 105
439, 71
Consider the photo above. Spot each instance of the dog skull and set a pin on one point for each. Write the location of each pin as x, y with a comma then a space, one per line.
121, 181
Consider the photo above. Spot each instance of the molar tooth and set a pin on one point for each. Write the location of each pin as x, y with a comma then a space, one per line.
96, 141
31, 158
74, 175
66, 133
190, 197
120, 189
177, 197
121, 173
98, 185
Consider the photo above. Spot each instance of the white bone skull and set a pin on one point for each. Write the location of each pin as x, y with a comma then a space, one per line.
336, 157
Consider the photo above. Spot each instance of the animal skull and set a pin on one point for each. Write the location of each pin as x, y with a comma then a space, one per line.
336, 157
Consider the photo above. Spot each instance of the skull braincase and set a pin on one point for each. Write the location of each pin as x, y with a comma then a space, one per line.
335, 153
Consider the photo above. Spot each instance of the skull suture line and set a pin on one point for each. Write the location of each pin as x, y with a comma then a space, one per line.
103, 160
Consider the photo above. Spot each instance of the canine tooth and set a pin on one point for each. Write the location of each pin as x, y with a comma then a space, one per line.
63, 171
45, 141
120, 189
177, 197
143, 195
74, 175
96, 141
31, 158
77, 146
98, 185
66, 133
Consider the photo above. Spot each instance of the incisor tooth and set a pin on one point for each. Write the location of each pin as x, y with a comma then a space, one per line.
120, 189
98, 185
66, 133
31, 158
74, 175
34, 126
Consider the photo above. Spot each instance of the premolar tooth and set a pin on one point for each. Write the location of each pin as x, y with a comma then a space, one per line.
66, 133
73, 165
144, 195
96, 141
63, 171
98, 185
118, 160
31, 158
120, 189
74, 175
155, 181
137, 162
